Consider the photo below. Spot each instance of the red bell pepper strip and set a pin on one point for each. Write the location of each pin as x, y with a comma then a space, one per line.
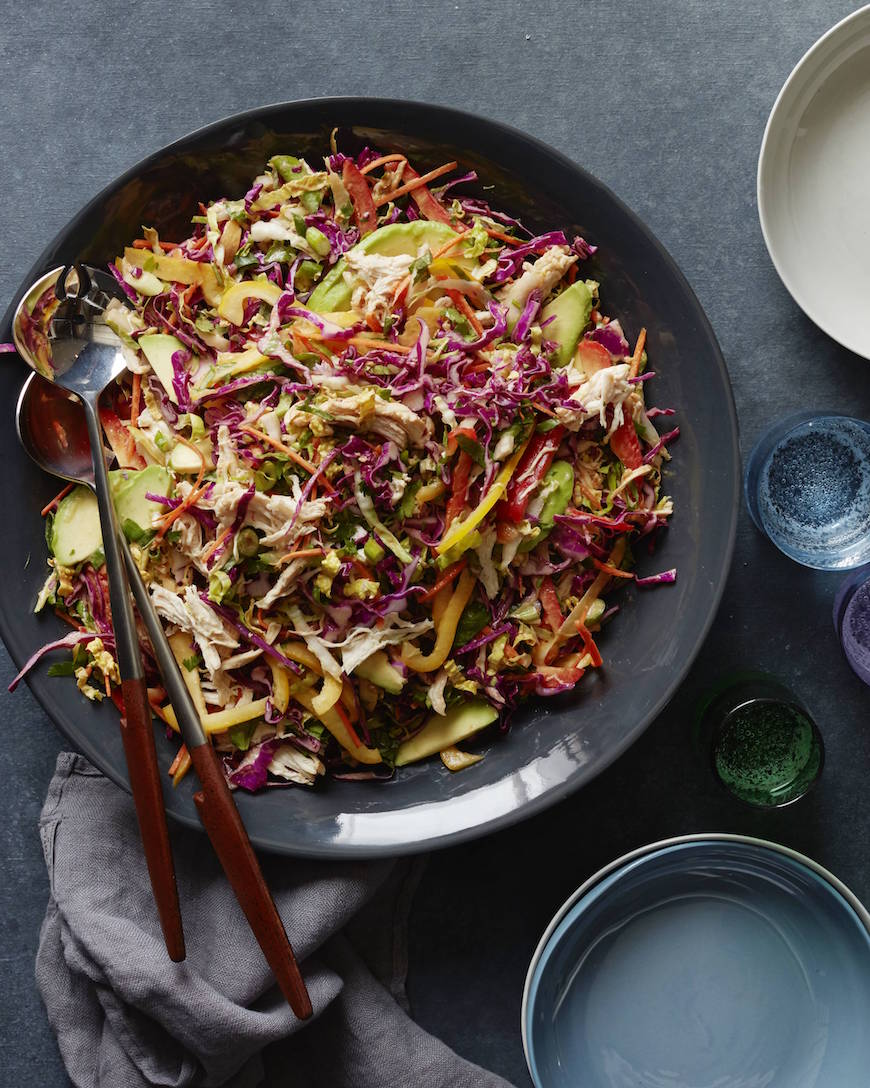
452, 438
626, 445
530, 471
445, 579
592, 357
364, 214
550, 604
119, 439
428, 205
461, 474
505, 532
589, 644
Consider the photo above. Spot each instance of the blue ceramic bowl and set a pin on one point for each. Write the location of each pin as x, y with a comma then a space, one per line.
712, 962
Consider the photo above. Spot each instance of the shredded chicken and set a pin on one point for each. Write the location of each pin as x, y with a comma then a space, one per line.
283, 585
593, 395
541, 276
375, 279
370, 413
296, 766
191, 614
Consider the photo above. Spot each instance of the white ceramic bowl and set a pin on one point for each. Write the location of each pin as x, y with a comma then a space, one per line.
814, 183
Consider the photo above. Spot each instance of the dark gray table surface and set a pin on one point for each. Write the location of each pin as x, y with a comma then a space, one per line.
666, 103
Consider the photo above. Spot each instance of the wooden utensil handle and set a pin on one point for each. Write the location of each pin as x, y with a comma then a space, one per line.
141, 753
221, 820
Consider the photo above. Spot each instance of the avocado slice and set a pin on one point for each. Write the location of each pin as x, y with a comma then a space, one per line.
333, 293
443, 731
570, 312
159, 347
129, 487
75, 531
185, 460
378, 670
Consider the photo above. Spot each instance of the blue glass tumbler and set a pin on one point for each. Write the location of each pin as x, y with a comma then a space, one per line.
807, 487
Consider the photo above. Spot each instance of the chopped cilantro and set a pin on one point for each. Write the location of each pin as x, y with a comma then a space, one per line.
240, 735
62, 668
472, 447
419, 268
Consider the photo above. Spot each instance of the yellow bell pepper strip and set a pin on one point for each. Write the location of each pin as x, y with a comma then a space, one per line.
280, 686
440, 602
428, 492
445, 628
232, 305
178, 270
182, 650
221, 720
299, 652
338, 723
460, 529
328, 695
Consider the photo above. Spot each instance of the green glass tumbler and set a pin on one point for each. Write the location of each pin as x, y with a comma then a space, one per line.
765, 747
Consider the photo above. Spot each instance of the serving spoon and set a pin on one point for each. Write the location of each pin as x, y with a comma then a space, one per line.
56, 332
64, 451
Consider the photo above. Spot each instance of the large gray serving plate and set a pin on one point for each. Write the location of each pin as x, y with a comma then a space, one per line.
555, 745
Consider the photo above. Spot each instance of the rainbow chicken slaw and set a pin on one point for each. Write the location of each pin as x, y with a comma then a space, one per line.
382, 457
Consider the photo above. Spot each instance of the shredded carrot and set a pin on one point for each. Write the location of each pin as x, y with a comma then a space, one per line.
371, 344
68, 619
406, 282
183, 768
638, 353
107, 686
417, 183
445, 579
502, 237
135, 399
195, 495
351, 732
464, 305
216, 543
543, 408
301, 553
179, 756
134, 416
50, 506
614, 571
282, 447
373, 323
478, 367
141, 243
375, 163
298, 338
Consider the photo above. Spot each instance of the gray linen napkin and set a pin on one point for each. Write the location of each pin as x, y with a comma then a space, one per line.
126, 1017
